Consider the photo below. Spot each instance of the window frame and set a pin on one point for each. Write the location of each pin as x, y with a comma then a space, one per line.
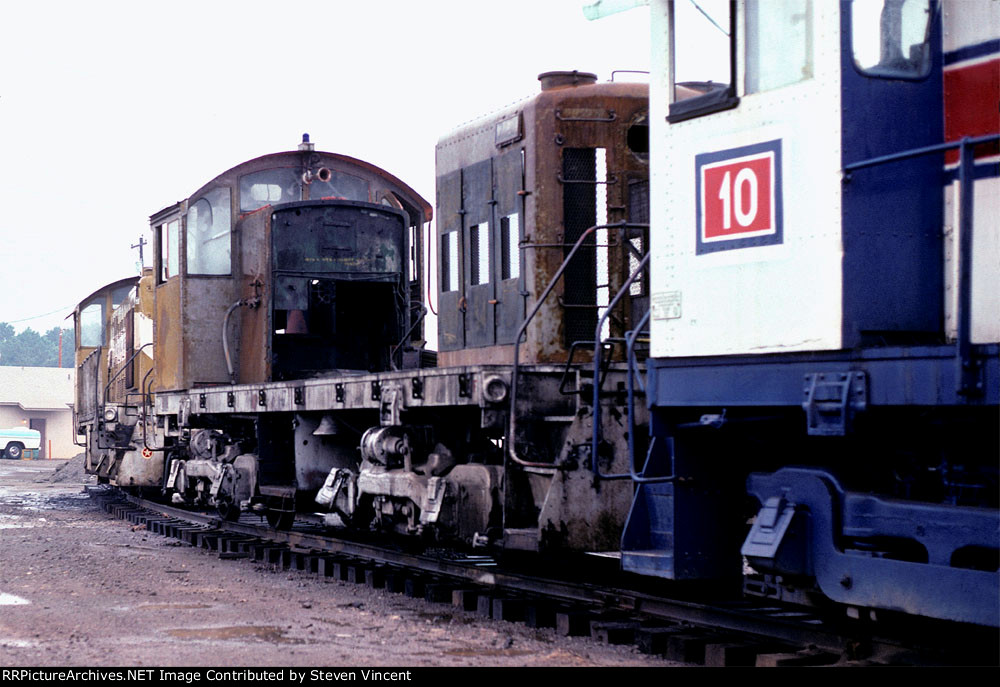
716, 100
933, 12
189, 244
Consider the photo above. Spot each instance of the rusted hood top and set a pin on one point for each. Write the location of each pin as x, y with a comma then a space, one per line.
454, 151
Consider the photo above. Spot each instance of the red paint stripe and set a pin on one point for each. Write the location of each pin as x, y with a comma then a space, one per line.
971, 99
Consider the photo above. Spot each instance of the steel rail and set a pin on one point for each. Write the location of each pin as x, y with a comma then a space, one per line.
761, 618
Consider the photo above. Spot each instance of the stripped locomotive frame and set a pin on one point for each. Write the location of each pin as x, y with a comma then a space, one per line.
284, 370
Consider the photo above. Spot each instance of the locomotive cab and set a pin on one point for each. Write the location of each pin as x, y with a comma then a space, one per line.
824, 315
114, 361
286, 257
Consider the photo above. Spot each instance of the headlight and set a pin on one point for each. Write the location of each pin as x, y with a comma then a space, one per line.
494, 389
110, 414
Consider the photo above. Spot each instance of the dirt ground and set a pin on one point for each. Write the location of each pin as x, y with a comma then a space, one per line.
80, 588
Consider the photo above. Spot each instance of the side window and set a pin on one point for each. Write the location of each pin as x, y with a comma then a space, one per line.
208, 234
703, 47
449, 261
890, 38
341, 186
169, 249
510, 252
119, 295
414, 263
775, 63
92, 323
479, 261
269, 187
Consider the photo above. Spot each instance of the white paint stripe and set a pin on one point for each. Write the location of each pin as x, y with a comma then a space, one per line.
972, 62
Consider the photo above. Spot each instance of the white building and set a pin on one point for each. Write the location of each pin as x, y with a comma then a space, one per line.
40, 398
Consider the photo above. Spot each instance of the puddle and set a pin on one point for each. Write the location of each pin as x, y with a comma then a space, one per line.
171, 607
17, 643
240, 632
53, 498
6, 524
11, 600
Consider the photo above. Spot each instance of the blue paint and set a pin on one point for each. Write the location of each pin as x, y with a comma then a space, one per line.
987, 170
810, 525
891, 214
971, 52
898, 376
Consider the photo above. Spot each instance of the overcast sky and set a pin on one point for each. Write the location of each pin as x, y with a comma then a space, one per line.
110, 111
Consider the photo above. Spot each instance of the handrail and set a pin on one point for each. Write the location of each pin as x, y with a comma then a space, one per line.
145, 415
123, 368
512, 423
639, 477
918, 152
394, 349
100, 415
97, 385
967, 382
596, 417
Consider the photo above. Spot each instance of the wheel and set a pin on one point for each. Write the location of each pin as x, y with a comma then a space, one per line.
14, 451
280, 513
227, 510
280, 519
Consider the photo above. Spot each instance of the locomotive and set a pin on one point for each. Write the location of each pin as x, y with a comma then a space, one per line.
741, 329
272, 360
823, 381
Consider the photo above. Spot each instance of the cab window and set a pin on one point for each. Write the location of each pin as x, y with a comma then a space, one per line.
208, 234
269, 187
119, 295
779, 43
341, 186
891, 38
92, 323
703, 48
169, 249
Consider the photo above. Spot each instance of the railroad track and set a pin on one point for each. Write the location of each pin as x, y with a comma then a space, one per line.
726, 633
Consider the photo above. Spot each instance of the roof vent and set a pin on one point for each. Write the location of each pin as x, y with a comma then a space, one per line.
553, 80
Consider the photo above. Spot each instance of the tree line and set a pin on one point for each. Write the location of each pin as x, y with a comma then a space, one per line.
31, 349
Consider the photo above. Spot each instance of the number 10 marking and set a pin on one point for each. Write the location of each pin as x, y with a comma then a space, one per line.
739, 197
727, 193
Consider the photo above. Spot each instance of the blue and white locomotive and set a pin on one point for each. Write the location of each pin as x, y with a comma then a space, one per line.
825, 314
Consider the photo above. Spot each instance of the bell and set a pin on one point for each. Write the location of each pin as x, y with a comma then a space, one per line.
327, 427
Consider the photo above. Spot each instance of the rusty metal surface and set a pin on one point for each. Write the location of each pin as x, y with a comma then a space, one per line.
92, 361
169, 337
584, 116
190, 309
437, 387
